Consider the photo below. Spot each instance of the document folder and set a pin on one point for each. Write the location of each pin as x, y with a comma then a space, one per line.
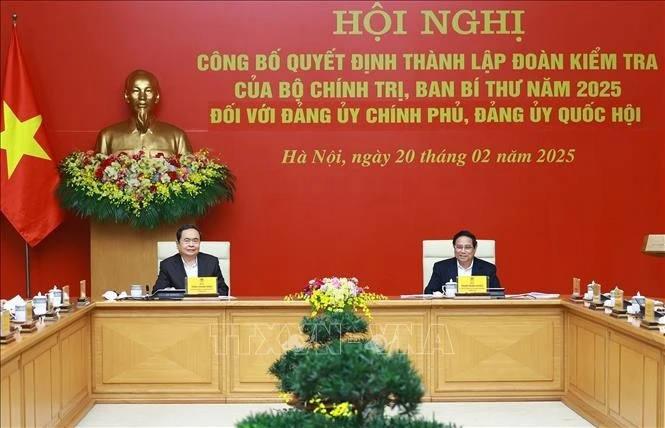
175, 294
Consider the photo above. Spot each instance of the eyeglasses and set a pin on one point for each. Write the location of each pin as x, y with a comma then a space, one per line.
464, 247
191, 241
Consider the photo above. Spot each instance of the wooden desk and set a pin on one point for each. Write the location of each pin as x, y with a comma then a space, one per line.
46, 374
202, 351
497, 350
616, 372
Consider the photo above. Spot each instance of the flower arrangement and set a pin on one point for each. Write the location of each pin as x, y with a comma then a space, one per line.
141, 190
336, 295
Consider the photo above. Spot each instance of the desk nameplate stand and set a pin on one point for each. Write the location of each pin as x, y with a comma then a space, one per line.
83, 298
472, 287
618, 311
7, 332
576, 297
597, 301
199, 287
649, 321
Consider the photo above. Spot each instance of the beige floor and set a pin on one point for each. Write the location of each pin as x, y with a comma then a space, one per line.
491, 414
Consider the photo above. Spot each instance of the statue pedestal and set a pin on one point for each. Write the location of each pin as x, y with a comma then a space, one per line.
121, 255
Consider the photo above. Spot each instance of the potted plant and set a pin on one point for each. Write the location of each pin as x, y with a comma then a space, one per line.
340, 377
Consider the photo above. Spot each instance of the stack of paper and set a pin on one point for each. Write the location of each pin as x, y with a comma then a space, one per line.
416, 296
534, 295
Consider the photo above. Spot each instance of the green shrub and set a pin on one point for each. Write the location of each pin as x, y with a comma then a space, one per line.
284, 366
295, 418
360, 373
329, 326
353, 373
286, 419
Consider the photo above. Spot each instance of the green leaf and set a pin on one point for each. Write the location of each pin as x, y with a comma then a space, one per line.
81, 192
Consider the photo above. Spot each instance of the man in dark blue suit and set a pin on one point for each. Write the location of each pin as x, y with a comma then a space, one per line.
464, 263
174, 270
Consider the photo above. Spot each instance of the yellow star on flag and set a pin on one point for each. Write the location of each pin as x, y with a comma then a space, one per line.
18, 138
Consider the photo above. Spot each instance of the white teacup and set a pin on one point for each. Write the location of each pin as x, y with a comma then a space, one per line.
136, 290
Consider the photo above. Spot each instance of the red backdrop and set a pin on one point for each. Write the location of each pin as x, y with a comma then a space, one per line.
291, 222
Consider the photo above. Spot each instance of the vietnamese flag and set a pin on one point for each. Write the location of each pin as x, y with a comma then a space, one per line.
29, 175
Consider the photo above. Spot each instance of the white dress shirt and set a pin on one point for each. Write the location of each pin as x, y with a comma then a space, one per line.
191, 270
462, 271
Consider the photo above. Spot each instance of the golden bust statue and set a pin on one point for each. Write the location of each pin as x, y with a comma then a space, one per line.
142, 131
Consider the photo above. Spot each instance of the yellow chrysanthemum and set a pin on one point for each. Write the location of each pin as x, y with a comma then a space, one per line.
98, 183
336, 295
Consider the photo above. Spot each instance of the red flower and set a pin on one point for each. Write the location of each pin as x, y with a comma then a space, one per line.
172, 175
99, 172
312, 286
106, 162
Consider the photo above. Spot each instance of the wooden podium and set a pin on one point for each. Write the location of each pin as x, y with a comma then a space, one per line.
121, 255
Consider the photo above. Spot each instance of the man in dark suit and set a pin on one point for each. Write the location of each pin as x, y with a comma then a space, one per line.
464, 263
174, 270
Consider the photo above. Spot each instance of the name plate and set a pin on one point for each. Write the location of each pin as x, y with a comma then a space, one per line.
649, 315
201, 285
654, 244
618, 299
82, 295
596, 294
6, 326
576, 287
471, 284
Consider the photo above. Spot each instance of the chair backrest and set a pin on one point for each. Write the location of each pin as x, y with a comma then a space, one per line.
440, 249
219, 249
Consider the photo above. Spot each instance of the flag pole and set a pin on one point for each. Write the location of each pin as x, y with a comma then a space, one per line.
27, 196
27, 247
27, 270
